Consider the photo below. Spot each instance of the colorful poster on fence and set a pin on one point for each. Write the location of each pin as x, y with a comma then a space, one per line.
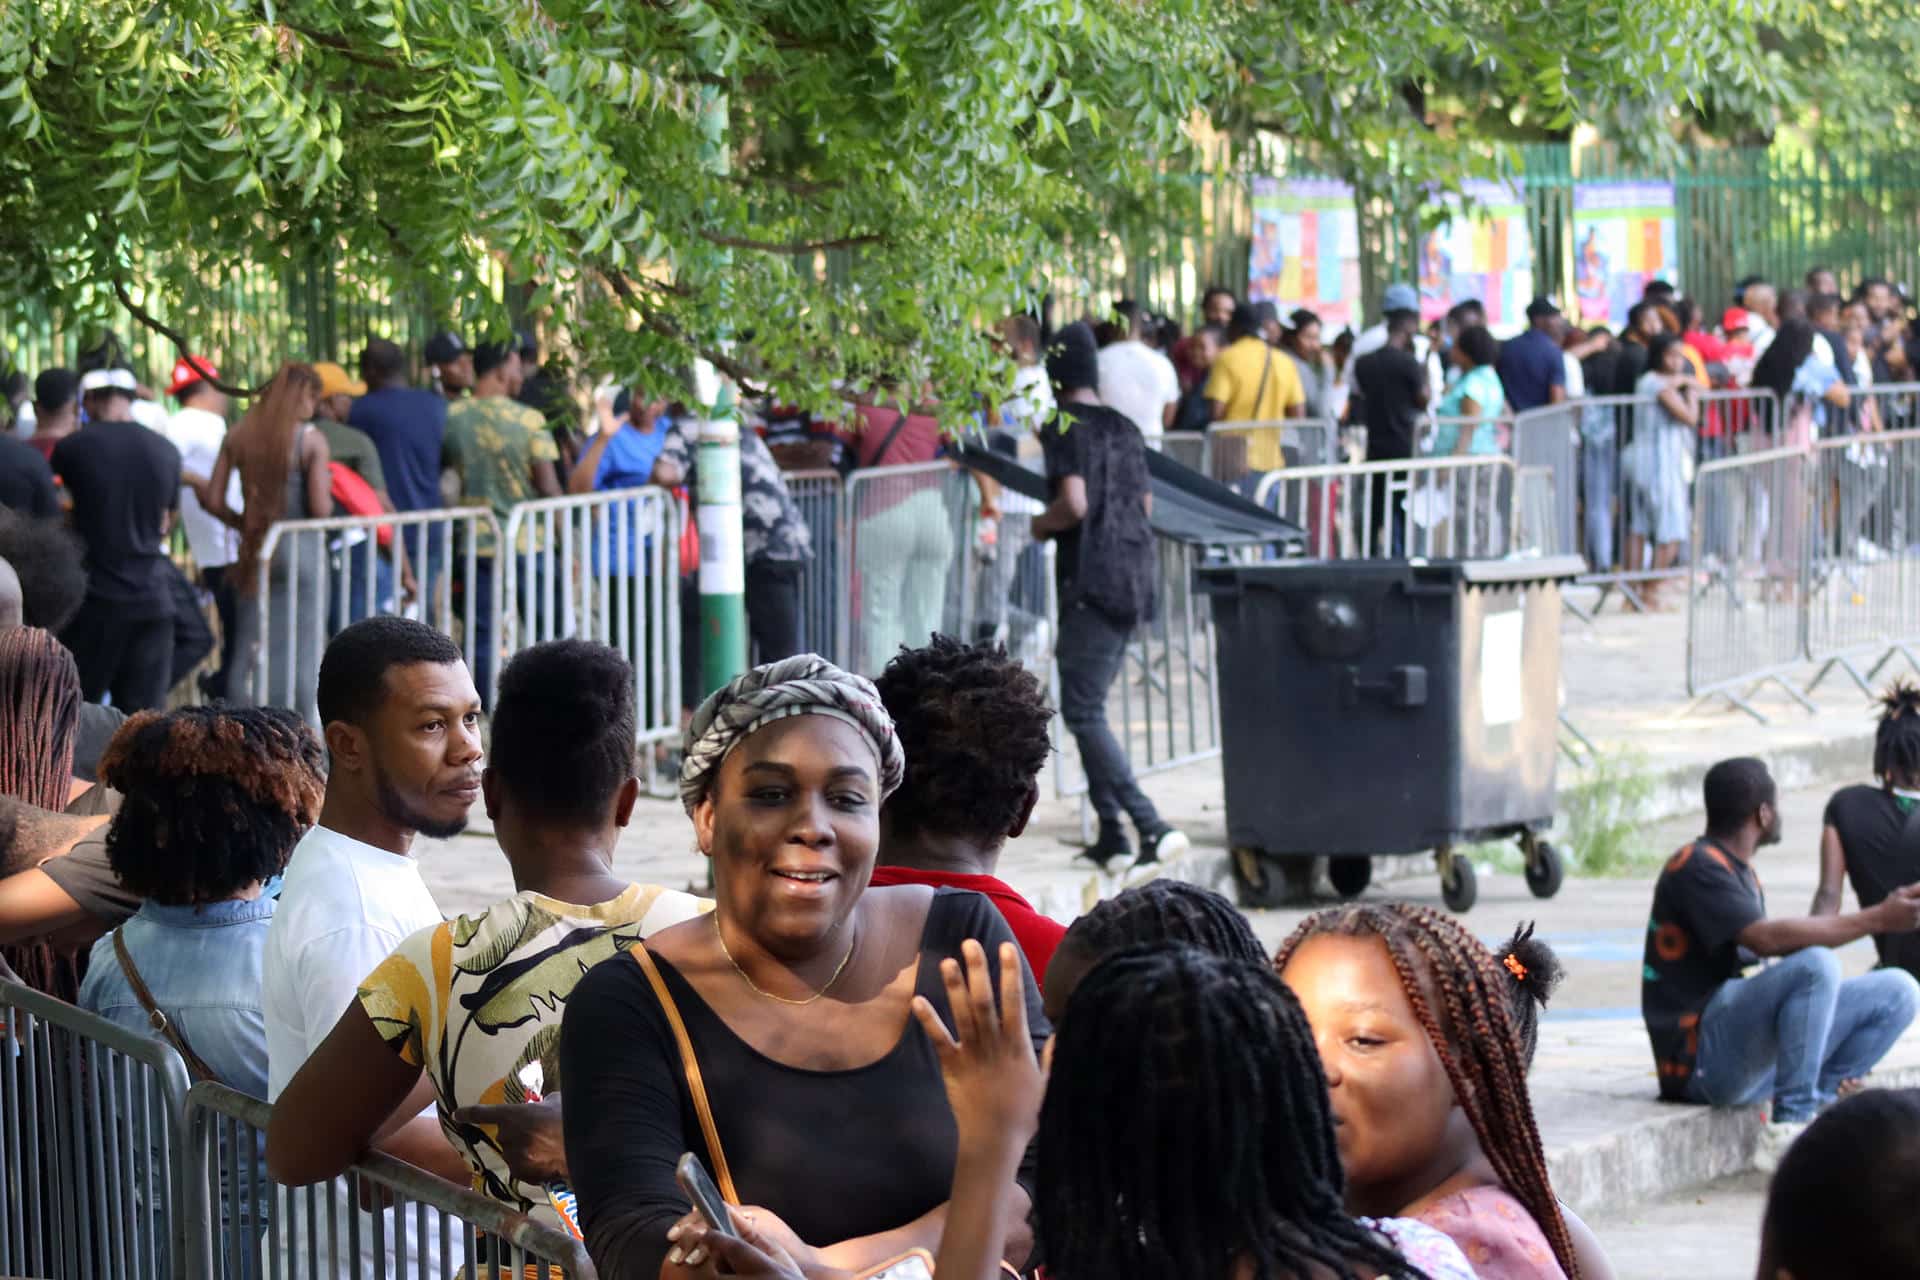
1306, 248
1486, 254
1623, 237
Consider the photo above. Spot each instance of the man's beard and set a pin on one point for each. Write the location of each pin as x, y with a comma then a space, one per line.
397, 811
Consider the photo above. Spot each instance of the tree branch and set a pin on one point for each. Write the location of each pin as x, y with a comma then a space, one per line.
791, 246
174, 336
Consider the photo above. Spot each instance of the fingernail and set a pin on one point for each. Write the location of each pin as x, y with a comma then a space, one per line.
673, 1255
673, 1232
698, 1256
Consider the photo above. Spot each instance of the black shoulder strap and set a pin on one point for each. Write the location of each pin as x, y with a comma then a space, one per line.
1260, 392
886, 442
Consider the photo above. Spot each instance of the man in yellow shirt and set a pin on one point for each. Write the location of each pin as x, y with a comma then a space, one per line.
1252, 382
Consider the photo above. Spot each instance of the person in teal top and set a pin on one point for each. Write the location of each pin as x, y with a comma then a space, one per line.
1475, 394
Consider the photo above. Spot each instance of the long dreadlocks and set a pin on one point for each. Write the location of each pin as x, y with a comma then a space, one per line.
1167, 911
1896, 744
1463, 999
39, 709
1227, 1151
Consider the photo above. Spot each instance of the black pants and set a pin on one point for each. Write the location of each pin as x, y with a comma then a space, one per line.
226, 603
773, 620
192, 637
1091, 653
128, 657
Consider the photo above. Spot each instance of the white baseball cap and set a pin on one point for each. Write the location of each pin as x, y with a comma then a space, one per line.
101, 379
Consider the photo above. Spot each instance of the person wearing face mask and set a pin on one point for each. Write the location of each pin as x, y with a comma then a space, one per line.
1792, 1032
282, 464
788, 1002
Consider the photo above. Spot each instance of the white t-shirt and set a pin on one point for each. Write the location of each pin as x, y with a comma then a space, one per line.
344, 907
1140, 383
1031, 405
149, 414
197, 435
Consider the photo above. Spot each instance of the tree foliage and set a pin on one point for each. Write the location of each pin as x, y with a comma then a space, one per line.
900, 170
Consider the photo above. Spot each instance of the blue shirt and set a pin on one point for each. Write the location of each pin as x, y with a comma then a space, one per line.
407, 426
1530, 367
1482, 386
203, 966
627, 461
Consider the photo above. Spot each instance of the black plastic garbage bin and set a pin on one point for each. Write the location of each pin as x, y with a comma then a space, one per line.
1375, 707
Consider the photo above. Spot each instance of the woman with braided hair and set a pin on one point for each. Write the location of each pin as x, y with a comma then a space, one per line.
1428, 1077
1159, 912
791, 1003
1871, 833
39, 710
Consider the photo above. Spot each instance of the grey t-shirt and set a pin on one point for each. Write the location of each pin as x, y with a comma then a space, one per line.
83, 872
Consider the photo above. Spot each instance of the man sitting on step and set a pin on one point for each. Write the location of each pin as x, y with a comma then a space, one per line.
1792, 1032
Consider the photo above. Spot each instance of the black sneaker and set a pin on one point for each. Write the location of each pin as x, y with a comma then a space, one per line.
1111, 847
1162, 845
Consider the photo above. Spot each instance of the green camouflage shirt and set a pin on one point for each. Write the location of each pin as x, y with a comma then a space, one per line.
492, 443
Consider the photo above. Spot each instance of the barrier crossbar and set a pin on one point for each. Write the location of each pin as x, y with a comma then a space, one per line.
1236, 449
1451, 507
92, 1121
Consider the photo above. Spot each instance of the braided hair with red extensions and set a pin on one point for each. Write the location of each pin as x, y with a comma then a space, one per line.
39, 711
1463, 999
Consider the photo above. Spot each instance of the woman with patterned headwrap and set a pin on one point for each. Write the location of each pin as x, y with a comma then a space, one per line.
827, 1110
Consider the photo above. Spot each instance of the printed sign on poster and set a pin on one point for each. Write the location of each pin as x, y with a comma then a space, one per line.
1623, 238
1485, 255
1306, 248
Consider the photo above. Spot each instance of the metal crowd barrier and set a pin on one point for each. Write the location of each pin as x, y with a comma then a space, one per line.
428, 1229
821, 497
316, 576
1234, 450
1537, 527
1746, 617
602, 567
1548, 438
1188, 448
1438, 508
1863, 585
92, 1122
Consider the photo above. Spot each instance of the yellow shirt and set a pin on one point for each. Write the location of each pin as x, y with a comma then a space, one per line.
1235, 382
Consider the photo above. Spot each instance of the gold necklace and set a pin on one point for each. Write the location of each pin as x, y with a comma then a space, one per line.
758, 989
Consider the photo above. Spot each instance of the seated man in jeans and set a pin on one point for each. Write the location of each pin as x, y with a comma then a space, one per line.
1793, 1031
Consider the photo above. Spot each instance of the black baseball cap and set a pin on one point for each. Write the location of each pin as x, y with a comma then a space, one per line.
1541, 306
444, 347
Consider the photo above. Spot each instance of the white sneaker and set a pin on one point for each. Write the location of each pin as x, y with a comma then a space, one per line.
1774, 1141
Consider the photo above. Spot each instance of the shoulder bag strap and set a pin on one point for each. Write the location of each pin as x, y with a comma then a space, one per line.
159, 1021
886, 442
691, 1065
1260, 392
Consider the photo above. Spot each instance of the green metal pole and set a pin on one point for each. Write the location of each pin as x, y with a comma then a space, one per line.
723, 567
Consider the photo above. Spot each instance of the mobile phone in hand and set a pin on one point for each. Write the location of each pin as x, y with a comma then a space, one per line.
697, 1183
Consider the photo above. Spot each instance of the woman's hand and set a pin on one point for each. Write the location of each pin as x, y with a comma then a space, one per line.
994, 1083
766, 1249
527, 1134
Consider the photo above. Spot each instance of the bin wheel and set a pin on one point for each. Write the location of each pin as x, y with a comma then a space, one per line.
1459, 888
1546, 870
1350, 874
1267, 881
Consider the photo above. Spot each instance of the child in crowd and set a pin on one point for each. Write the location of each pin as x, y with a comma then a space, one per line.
1414, 1018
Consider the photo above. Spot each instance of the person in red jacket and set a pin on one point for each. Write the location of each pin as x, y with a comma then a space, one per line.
973, 723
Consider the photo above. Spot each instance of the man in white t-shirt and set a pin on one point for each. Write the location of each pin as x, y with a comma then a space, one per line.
402, 725
197, 430
1138, 380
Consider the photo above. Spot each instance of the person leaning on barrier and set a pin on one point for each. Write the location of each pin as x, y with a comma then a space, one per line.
1870, 835
474, 1004
282, 464
793, 995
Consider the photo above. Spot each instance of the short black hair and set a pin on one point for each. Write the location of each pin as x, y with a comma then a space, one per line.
1536, 972
1841, 1205
527, 345
1823, 302
489, 356
55, 389
1639, 309
1245, 322
1216, 291
1480, 345
1734, 790
215, 799
973, 723
50, 562
382, 361
353, 670
564, 728
1462, 313
1658, 291
1403, 320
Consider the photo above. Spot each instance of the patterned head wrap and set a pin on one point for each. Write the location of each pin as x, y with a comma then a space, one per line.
804, 685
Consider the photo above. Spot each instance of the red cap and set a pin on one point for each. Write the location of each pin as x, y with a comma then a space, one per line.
1734, 319
188, 370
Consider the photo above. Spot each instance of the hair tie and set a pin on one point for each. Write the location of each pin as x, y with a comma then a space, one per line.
1514, 967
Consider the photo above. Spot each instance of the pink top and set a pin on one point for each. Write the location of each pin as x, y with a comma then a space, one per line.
1495, 1231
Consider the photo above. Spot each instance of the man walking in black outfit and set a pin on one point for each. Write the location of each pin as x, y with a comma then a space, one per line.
1392, 389
125, 485
1100, 501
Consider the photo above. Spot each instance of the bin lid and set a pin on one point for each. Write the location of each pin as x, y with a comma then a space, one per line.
1521, 570
1293, 575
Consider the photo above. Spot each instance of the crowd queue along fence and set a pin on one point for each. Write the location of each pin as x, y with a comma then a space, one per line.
113, 1168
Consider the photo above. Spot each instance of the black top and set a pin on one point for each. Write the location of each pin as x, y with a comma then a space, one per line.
1702, 901
837, 1154
26, 481
1880, 835
1390, 382
123, 479
1107, 560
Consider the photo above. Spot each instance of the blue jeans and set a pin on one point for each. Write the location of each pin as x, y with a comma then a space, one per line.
1091, 652
1796, 1029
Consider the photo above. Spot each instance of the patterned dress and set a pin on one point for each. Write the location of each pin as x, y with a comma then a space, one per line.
1499, 1237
